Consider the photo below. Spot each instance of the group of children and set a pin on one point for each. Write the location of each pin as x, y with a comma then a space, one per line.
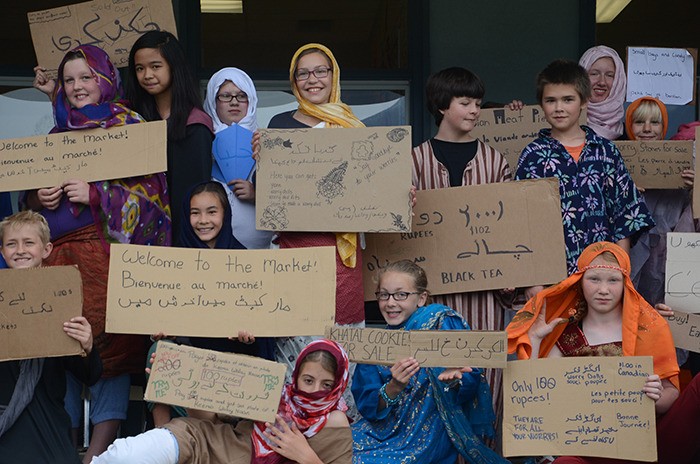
408, 413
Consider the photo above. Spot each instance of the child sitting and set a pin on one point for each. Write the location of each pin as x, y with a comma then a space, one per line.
34, 425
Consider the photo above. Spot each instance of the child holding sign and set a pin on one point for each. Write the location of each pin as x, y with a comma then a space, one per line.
597, 312
599, 200
311, 426
86, 217
34, 425
408, 411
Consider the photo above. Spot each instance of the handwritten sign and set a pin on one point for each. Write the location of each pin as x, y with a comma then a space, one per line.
90, 155
664, 73
431, 348
330, 180
579, 406
657, 164
683, 271
509, 131
112, 26
34, 304
686, 330
230, 384
216, 293
478, 238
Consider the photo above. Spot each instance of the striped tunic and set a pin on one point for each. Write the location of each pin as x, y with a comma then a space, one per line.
483, 310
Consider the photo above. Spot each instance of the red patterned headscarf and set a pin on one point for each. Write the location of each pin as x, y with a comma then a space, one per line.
309, 411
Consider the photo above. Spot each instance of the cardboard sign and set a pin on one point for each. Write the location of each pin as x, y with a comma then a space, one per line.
331, 180
431, 348
664, 73
579, 406
90, 155
686, 330
509, 131
233, 153
657, 164
479, 237
34, 304
216, 293
230, 384
683, 271
113, 26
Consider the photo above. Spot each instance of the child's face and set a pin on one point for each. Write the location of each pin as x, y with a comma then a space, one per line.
647, 129
80, 84
398, 312
152, 71
462, 114
206, 217
602, 76
562, 106
314, 89
22, 247
603, 288
313, 378
233, 111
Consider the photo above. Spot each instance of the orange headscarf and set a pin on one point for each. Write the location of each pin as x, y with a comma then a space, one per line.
629, 115
644, 331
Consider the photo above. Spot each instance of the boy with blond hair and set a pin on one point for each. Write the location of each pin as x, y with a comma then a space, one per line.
34, 426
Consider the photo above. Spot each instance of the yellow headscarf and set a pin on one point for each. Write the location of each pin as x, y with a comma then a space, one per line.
335, 114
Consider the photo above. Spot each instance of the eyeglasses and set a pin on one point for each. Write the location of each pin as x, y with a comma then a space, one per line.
320, 73
398, 296
228, 98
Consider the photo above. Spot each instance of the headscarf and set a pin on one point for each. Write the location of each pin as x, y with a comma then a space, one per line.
336, 114
30, 371
110, 111
644, 331
188, 237
606, 117
629, 116
241, 80
309, 411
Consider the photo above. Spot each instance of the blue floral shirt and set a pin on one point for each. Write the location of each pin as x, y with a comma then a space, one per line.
599, 200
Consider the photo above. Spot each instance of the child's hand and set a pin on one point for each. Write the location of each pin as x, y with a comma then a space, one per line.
515, 105
159, 336
243, 189
454, 373
79, 328
151, 360
664, 310
255, 143
540, 328
42, 82
653, 387
77, 191
532, 291
289, 442
412, 196
50, 197
403, 370
688, 176
245, 337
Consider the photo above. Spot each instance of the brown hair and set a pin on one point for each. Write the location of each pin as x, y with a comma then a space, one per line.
565, 72
24, 218
323, 357
406, 266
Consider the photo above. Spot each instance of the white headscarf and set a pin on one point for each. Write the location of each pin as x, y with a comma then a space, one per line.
243, 82
606, 117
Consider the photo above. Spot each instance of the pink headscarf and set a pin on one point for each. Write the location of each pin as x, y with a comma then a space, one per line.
606, 117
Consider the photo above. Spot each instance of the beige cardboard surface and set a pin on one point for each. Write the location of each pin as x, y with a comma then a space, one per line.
509, 131
216, 293
579, 406
479, 237
683, 271
34, 304
657, 164
90, 155
332, 180
686, 330
111, 25
431, 348
230, 384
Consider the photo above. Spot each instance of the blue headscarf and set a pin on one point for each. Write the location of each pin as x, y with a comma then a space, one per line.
225, 240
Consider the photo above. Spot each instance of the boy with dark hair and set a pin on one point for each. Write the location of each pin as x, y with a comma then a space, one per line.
34, 426
599, 201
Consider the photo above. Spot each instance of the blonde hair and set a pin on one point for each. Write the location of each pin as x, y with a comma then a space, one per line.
25, 218
406, 266
648, 110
